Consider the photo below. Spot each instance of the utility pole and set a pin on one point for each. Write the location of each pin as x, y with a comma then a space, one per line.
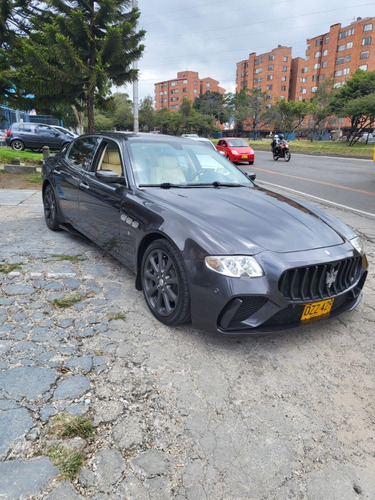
135, 87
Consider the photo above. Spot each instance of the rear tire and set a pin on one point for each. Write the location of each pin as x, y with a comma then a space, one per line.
50, 209
275, 156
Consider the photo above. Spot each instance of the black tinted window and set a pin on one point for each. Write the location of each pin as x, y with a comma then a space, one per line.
82, 152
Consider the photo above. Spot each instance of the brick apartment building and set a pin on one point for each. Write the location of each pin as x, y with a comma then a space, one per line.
270, 72
338, 53
170, 93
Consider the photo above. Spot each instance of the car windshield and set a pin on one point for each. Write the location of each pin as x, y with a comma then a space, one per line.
178, 164
238, 143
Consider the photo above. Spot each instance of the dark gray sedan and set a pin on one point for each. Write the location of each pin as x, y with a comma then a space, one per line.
206, 244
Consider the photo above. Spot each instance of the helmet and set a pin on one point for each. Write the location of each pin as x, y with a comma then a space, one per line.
281, 136
275, 136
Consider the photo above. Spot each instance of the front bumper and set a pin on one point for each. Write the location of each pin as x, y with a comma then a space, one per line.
244, 306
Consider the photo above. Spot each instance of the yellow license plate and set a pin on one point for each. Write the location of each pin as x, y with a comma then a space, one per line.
317, 309
244, 156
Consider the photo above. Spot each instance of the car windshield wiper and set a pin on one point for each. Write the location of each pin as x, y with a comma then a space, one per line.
217, 184
163, 185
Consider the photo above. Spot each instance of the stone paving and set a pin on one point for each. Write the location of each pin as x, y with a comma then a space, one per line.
178, 414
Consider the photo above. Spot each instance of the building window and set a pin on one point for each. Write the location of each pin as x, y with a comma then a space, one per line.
285, 68
173, 84
346, 71
319, 42
174, 91
338, 72
207, 84
303, 79
271, 57
258, 80
308, 46
304, 70
315, 78
339, 60
340, 48
363, 67
316, 66
282, 97
348, 58
174, 106
283, 78
195, 83
366, 41
349, 45
342, 35
317, 54
269, 87
283, 88
184, 82
314, 89
258, 70
303, 91
351, 32
337, 85
196, 91
270, 67
322, 76
367, 27
185, 89
324, 64
174, 99
259, 60
326, 40
269, 77
285, 58
325, 52
365, 55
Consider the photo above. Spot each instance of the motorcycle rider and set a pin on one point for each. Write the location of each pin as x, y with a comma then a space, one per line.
274, 143
277, 142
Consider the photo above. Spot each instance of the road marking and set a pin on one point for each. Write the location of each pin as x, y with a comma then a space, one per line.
346, 188
319, 199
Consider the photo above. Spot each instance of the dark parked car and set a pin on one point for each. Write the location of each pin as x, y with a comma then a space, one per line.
203, 240
36, 135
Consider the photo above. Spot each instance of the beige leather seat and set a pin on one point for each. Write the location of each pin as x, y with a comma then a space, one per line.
112, 161
167, 170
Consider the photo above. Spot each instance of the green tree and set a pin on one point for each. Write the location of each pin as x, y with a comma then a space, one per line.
356, 101
84, 48
320, 107
212, 104
248, 106
146, 114
287, 116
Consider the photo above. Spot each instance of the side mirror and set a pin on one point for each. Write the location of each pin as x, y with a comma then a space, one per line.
222, 153
250, 175
109, 176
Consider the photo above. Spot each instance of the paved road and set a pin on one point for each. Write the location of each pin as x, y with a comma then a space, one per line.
178, 414
346, 181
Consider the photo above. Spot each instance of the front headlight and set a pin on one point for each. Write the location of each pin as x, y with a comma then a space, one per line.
235, 152
235, 266
358, 245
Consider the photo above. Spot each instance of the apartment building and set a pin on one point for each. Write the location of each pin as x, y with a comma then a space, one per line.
170, 93
338, 53
269, 72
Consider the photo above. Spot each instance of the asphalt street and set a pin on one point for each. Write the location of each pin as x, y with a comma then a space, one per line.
178, 414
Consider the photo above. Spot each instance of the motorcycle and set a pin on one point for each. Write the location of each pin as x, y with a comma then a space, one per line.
282, 151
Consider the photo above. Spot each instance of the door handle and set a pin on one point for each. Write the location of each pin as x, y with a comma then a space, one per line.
83, 185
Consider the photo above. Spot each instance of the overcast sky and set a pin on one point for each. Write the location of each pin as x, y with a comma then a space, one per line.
211, 36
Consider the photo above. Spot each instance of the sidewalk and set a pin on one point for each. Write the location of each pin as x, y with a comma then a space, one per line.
25, 197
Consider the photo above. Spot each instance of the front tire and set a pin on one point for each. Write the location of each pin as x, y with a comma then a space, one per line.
287, 155
17, 145
164, 283
50, 209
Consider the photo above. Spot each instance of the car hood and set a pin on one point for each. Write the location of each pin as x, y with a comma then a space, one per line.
239, 219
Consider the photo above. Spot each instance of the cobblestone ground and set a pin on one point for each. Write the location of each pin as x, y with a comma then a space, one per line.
178, 414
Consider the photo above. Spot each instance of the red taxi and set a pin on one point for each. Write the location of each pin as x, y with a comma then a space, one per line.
236, 149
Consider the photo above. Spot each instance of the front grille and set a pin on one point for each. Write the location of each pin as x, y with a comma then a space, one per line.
305, 284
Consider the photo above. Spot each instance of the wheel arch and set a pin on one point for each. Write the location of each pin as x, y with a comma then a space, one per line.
146, 241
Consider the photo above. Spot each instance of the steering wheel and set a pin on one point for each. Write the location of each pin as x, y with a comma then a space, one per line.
198, 172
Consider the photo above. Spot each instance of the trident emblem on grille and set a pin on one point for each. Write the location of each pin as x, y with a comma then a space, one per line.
331, 277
